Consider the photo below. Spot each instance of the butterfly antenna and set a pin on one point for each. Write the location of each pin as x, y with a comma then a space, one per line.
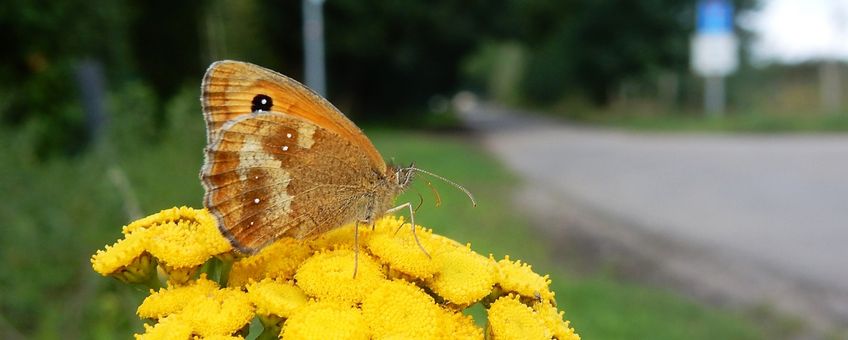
435, 194
467, 193
420, 200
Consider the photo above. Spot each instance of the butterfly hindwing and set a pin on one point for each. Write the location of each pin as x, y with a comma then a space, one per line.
259, 163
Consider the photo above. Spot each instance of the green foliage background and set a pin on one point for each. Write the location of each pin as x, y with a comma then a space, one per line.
561, 49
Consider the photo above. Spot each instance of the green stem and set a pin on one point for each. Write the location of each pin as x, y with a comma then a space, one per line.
208, 268
270, 331
226, 265
271, 327
153, 281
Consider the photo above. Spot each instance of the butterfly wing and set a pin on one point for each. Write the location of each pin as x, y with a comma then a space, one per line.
259, 163
231, 89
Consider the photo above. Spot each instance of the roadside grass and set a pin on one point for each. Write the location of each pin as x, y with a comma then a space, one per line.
59, 212
603, 308
733, 121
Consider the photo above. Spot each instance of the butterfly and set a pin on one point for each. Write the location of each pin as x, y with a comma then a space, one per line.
281, 161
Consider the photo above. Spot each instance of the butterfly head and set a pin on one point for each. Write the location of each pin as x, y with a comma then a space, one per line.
404, 176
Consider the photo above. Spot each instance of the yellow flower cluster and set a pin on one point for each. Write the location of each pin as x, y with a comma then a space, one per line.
308, 290
181, 239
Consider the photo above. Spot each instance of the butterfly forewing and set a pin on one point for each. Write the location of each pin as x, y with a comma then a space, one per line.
270, 174
231, 89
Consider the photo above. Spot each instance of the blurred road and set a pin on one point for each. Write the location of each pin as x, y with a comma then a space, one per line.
776, 202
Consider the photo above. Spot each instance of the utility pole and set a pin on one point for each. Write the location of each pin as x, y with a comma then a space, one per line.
92, 85
830, 69
313, 46
714, 100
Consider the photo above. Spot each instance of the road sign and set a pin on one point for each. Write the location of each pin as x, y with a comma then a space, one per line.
714, 17
714, 55
714, 46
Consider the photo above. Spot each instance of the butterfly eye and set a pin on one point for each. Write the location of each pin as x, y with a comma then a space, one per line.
261, 102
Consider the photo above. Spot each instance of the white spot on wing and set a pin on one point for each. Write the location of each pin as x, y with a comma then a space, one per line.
256, 200
285, 148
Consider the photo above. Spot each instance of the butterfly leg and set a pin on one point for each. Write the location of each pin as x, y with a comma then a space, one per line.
355, 247
408, 205
396, 209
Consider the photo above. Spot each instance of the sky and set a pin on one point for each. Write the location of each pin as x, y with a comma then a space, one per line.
798, 30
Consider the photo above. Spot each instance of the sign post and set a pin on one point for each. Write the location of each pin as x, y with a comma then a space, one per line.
313, 46
714, 51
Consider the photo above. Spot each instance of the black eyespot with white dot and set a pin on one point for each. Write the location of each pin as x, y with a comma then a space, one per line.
261, 103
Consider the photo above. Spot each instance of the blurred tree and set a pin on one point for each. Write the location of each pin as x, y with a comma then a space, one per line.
281, 37
166, 42
239, 30
387, 58
617, 40
42, 43
591, 47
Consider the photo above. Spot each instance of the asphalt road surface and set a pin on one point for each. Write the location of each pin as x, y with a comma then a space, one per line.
776, 201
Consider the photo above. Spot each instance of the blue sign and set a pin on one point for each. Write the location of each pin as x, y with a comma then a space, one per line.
714, 16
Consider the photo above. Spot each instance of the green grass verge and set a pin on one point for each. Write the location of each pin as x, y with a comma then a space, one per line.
736, 121
602, 308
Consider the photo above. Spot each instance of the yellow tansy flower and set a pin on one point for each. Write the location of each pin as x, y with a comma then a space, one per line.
447, 241
276, 261
553, 320
186, 243
400, 251
181, 238
455, 325
325, 320
199, 216
338, 238
510, 319
223, 312
178, 275
464, 276
514, 276
173, 299
121, 254
207, 309
276, 298
305, 289
170, 328
219, 337
329, 275
400, 310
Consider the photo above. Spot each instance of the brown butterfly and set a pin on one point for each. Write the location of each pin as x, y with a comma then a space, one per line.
282, 161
